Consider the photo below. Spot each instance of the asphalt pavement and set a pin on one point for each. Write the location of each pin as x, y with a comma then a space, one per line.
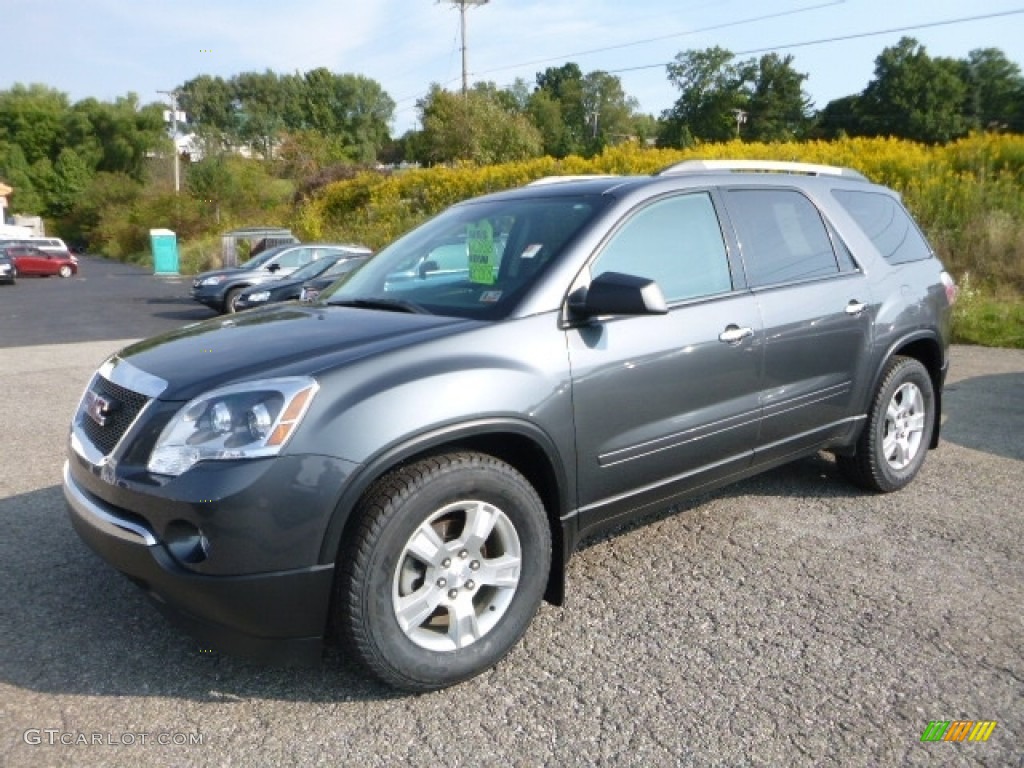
790, 620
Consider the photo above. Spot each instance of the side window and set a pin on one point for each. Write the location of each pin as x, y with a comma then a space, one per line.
885, 221
451, 257
296, 257
782, 236
677, 243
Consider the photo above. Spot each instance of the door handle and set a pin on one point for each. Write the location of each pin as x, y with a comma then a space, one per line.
855, 307
733, 334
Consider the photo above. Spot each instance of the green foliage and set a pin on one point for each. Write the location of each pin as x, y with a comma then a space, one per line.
914, 96
714, 88
15, 171
474, 127
32, 117
71, 177
257, 109
982, 317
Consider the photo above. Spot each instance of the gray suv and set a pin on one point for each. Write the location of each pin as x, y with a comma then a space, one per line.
408, 464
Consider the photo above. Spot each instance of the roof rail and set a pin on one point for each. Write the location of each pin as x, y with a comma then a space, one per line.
545, 180
760, 166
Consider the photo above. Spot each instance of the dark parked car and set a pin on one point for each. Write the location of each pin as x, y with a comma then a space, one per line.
329, 268
7, 273
29, 260
220, 289
409, 464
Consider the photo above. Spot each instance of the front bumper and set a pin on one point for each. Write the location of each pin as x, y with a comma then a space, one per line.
277, 616
210, 295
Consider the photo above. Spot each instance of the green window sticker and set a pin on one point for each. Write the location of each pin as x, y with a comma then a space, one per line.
482, 254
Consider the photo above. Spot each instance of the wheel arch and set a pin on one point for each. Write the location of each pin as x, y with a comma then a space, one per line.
927, 350
522, 445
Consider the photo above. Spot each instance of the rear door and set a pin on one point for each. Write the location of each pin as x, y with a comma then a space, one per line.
32, 261
816, 308
667, 403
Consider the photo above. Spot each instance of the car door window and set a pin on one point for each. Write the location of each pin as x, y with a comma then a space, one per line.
294, 258
782, 236
677, 242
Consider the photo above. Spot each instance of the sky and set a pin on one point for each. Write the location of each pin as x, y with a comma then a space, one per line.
107, 48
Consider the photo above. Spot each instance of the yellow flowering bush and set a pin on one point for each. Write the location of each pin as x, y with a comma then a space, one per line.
968, 195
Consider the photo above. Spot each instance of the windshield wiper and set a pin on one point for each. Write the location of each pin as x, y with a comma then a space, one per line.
389, 305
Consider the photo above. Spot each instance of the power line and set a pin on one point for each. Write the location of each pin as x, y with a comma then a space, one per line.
840, 38
645, 41
725, 25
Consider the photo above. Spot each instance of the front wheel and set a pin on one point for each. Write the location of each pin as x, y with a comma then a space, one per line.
445, 571
895, 440
64, 271
231, 300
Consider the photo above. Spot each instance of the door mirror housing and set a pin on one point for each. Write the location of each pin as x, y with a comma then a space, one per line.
615, 293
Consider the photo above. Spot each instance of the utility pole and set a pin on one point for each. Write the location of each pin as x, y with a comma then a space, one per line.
461, 4
173, 96
741, 118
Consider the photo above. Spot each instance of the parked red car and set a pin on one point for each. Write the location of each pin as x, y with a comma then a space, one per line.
33, 261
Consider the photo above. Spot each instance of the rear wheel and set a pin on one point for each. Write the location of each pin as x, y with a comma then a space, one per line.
895, 440
445, 571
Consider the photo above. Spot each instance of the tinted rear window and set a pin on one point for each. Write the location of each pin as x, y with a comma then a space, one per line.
887, 223
782, 235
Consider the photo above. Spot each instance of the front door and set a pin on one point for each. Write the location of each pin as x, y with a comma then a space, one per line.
666, 403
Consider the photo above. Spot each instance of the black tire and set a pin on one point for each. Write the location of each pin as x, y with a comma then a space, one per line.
898, 432
64, 271
230, 298
432, 500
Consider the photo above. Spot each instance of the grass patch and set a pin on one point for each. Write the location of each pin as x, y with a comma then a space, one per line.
988, 318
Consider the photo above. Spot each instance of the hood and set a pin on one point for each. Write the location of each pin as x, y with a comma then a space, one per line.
279, 340
274, 286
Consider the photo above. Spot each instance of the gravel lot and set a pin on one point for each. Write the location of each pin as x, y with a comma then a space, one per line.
789, 620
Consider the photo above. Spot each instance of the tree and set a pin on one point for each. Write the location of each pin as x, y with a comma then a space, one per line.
607, 110
473, 127
16, 172
915, 96
995, 91
71, 176
211, 109
778, 109
562, 86
33, 118
714, 88
840, 117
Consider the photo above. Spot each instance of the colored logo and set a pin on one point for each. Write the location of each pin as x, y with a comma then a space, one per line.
958, 730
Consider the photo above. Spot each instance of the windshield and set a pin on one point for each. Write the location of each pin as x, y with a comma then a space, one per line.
474, 260
314, 268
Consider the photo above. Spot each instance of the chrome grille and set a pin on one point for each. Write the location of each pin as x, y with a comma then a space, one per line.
128, 405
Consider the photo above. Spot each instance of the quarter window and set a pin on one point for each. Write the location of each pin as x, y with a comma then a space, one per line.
782, 236
675, 242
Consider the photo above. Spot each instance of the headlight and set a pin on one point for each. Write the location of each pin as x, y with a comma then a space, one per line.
215, 280
258, 296
242, 421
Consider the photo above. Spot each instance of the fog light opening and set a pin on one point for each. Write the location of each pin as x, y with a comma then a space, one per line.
186, 542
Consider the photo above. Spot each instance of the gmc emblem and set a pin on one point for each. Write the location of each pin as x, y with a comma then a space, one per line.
98, 407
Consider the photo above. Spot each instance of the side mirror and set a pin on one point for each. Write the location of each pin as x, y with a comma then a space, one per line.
428, 266
615, 293
273, 267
